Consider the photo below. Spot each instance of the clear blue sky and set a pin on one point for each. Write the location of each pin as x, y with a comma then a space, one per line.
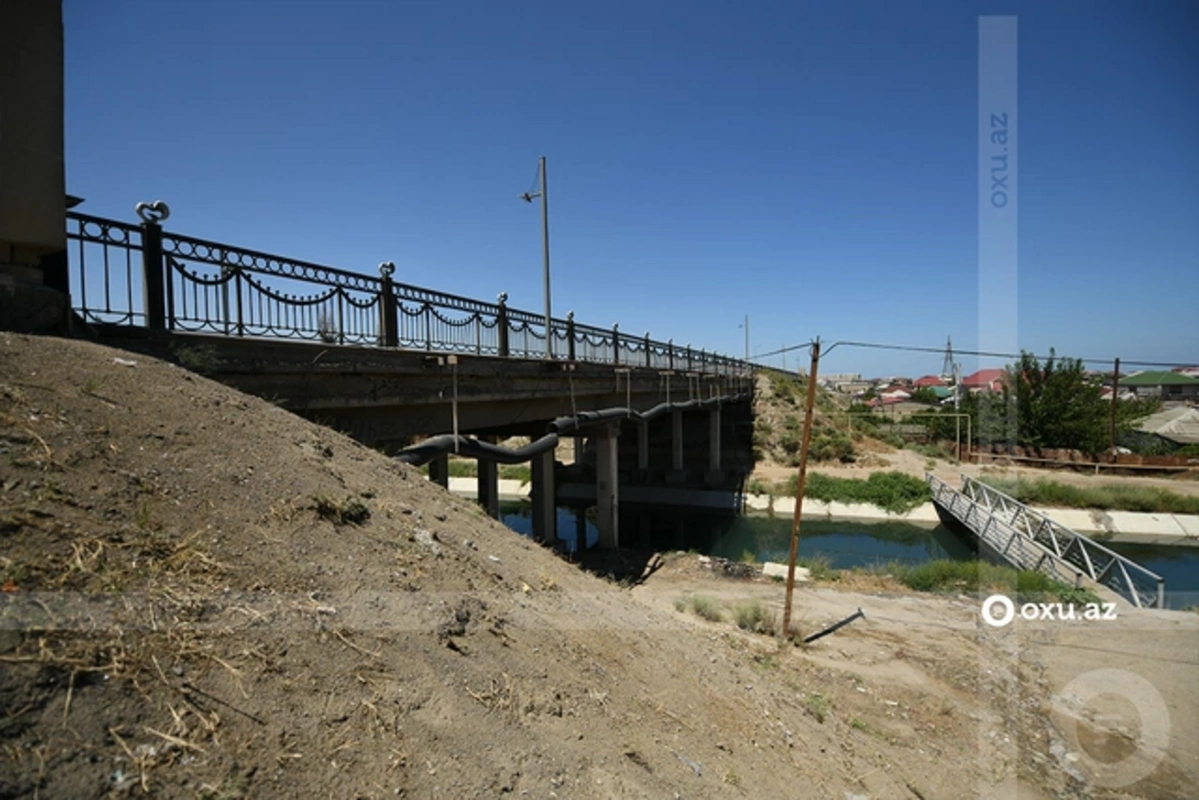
812, 164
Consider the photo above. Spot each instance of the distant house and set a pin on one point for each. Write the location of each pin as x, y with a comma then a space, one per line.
985, 380
1166, 386
1178, 426
928, 382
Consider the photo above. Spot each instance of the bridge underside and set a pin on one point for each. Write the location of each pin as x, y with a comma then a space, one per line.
389, 398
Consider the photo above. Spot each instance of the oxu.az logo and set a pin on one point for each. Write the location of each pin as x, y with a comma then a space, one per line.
998, 611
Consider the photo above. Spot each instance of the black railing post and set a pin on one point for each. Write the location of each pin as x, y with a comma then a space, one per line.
241, 322
389, 334
649, 356
428, 326
689, 367
616, 344
153, 278
670, 350
570, 335
501, 325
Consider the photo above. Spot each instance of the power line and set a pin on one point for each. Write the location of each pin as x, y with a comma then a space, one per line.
980, 353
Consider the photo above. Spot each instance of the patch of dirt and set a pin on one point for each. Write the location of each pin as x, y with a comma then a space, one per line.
207, 596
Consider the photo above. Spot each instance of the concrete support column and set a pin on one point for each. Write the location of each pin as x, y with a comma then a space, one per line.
489, 484
643, 445
439, 470
545, 512
580, 530
607, 486
714, 439
676, 440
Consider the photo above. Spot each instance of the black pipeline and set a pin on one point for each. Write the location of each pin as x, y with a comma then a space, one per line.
426, 451
836, 627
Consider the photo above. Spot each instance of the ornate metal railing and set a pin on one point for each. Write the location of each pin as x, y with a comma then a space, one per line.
142, 275
1028, 539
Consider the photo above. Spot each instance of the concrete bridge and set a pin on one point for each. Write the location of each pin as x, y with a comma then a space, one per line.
392, 365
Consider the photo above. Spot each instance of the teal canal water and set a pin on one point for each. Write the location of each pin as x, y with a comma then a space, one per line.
844, 544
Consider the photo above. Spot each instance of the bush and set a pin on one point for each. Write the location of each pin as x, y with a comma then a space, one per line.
1106, 496
754, 617
982, 576
706, 607
890, 491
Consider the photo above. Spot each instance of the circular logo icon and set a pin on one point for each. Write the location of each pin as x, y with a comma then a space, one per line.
1007, 610
1152, 741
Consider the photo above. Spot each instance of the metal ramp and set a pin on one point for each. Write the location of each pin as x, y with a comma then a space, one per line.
1027, 539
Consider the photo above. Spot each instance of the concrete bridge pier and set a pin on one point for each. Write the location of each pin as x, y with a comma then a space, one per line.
489, 483
545, 511
643, 447
607, 485
439, 470
580, 530
715, 472
676, 474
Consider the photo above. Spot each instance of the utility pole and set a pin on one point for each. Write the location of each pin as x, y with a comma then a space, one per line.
799, 489
747, 338
545, 251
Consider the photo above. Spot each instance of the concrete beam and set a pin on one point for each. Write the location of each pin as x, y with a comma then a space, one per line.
545, 511
607, 486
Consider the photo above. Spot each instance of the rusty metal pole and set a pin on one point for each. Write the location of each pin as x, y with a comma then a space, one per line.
1115, 393
799, 489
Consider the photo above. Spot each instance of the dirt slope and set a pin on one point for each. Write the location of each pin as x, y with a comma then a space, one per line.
206, 596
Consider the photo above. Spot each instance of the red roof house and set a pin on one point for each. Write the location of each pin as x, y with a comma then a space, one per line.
985, 380
928, 381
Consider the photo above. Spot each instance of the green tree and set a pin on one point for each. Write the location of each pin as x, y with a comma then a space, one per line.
1057, 405
926, 396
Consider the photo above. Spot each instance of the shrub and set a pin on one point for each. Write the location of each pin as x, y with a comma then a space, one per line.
754, 617
706, 607
891, 491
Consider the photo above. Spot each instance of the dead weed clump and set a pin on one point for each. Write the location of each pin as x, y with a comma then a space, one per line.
350, 511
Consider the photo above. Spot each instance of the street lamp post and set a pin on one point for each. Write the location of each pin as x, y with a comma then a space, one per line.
747, 338
545, 251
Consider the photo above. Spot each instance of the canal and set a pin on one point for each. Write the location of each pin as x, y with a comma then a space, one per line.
843, 544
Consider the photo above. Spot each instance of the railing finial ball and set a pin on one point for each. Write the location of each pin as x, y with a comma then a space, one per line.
387, 268
570, 315
153, 212
502, 298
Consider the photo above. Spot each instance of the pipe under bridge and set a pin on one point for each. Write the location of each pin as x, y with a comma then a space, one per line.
1026, 539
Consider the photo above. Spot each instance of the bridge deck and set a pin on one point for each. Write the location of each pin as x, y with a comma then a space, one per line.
1027, 539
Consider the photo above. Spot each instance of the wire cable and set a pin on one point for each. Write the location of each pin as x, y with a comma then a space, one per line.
960, 352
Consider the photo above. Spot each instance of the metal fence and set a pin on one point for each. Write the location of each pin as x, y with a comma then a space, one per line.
142, 275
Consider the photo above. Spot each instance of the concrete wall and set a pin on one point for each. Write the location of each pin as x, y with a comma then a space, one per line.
32, 178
